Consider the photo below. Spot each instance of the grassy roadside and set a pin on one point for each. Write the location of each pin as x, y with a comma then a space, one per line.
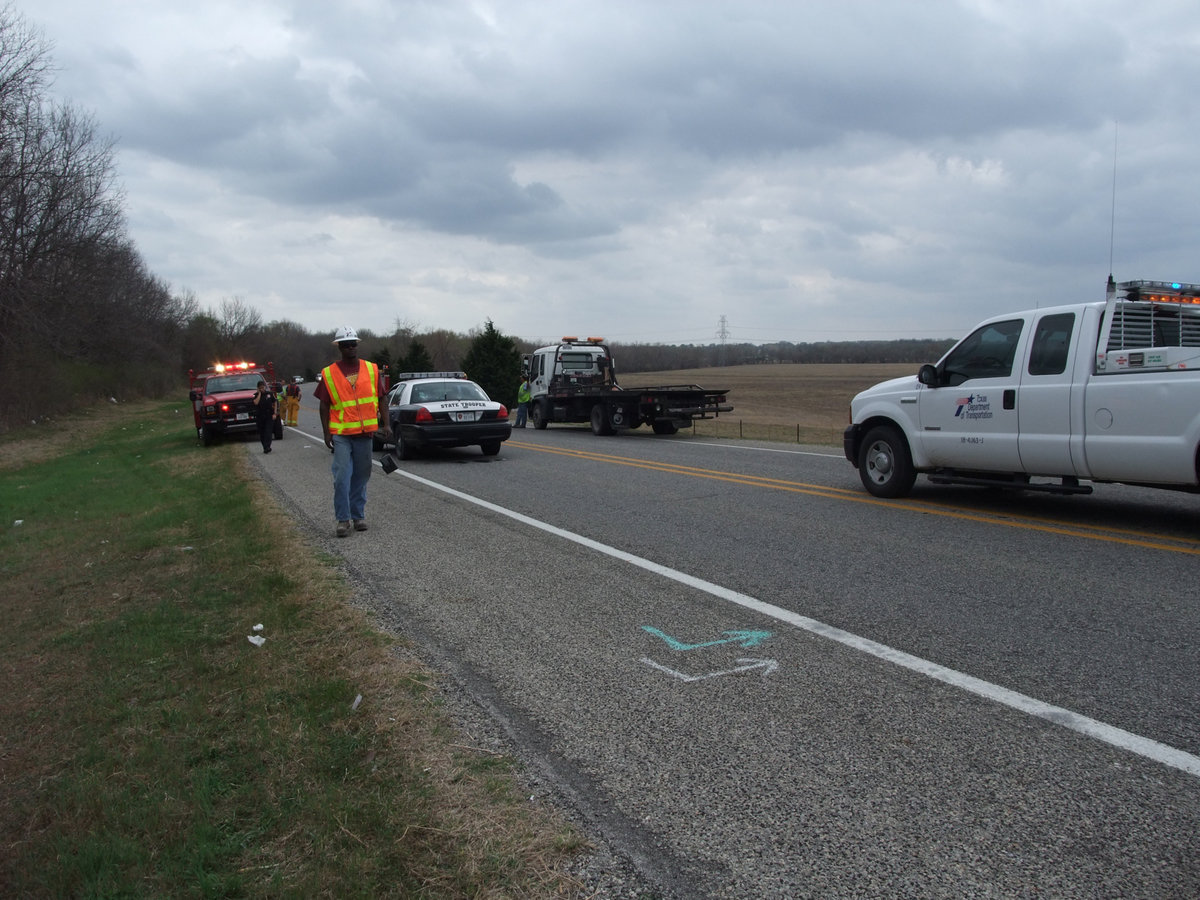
148, 749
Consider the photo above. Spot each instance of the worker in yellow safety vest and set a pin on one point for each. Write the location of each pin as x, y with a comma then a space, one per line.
350, 392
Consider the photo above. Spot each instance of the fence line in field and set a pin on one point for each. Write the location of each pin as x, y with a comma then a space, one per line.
755, 431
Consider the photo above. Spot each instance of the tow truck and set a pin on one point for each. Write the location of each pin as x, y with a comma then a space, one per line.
222, 398
576, 381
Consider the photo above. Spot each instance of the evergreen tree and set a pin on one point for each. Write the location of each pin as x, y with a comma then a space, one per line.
417, 359
494, 362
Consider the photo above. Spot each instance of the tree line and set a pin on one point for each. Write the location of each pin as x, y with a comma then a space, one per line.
83, 319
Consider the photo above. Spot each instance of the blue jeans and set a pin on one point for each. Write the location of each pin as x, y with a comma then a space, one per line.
522, 412
352, 463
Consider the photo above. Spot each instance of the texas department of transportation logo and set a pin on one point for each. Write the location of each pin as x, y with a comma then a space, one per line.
975, 406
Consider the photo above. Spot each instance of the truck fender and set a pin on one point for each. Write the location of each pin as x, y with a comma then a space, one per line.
884, 414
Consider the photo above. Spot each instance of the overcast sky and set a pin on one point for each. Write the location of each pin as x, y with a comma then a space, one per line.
800, 170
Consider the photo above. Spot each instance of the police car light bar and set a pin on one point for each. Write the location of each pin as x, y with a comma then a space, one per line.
1161, 292
411, 376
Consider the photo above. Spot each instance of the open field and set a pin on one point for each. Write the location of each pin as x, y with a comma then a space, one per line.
798, 402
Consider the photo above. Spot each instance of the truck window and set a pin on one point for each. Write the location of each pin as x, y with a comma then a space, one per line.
577, 362
1051, 343
987, 352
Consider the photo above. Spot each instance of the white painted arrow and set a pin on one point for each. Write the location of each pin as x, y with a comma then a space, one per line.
767, 665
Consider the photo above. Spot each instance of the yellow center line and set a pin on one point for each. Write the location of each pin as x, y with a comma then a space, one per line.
1126, 536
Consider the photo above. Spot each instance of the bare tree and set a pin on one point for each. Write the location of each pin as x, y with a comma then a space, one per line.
239, 325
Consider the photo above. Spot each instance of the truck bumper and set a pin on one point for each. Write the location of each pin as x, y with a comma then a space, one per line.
851, 439
226, 427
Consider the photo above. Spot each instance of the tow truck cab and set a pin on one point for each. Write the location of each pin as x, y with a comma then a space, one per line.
570, 365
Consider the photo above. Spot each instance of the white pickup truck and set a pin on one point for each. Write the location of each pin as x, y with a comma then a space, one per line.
1045, 399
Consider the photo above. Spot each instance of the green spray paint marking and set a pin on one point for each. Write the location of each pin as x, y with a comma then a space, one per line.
745, 638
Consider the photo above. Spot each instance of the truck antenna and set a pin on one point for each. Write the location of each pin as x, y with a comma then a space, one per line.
1112, 224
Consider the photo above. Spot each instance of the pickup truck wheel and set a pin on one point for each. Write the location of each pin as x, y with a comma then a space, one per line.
885, 463
600, 423
540, 416
208, 436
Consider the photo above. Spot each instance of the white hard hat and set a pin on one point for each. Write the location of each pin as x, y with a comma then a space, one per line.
345, 333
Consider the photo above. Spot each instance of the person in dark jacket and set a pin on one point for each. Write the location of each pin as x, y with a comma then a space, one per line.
265, 405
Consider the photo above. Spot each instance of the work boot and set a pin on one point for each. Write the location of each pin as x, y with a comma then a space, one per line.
360, 524
343, 529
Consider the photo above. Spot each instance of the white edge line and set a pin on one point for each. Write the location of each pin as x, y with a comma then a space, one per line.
1109, 734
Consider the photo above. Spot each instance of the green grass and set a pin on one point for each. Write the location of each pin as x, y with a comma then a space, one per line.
149, 749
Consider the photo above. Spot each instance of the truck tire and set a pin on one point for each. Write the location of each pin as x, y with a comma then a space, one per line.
885, 463
661, 427
490, 448
540, 414
600, 423
208, 436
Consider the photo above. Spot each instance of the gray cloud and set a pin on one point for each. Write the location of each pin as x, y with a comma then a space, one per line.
809, 170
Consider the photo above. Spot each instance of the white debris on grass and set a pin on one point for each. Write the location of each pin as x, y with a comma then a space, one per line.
256, 639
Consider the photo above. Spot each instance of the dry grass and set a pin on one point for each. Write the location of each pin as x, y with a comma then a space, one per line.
788, 402
192, 764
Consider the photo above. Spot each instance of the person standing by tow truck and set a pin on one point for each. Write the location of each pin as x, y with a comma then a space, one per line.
291, 406
350, 392
523, 397
265, 406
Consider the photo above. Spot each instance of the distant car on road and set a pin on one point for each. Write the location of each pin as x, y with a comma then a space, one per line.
443, 409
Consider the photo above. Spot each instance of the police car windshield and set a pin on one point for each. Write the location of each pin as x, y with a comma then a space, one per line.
224, 383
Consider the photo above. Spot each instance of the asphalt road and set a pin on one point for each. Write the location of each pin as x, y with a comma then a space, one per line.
749, 679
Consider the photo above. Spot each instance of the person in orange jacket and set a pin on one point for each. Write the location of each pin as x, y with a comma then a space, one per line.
351, 395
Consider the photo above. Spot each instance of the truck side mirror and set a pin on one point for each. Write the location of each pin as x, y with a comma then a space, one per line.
195, 395
928, 376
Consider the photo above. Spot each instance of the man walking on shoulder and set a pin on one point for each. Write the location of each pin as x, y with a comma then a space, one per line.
350, 392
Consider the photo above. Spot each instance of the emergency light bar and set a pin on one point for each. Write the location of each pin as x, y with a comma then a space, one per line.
222, 368
1161, 292
411, 376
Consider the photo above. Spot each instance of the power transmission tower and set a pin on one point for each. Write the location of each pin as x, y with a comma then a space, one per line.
723, 334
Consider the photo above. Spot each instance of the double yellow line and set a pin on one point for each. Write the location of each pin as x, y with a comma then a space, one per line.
1126, 536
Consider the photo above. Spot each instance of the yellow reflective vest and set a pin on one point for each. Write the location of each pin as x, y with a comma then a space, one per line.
353, 408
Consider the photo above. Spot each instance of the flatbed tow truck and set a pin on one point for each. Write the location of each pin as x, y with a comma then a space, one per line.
576, 381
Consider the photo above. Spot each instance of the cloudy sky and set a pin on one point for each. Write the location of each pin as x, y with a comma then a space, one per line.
646, 170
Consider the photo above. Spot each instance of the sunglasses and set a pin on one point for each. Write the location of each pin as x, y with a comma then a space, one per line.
347, 343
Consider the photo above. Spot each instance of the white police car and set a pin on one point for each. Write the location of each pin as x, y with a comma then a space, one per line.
444, 409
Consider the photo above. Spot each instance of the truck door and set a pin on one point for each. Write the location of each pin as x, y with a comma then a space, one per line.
538, 383
970, 420
1044, 398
